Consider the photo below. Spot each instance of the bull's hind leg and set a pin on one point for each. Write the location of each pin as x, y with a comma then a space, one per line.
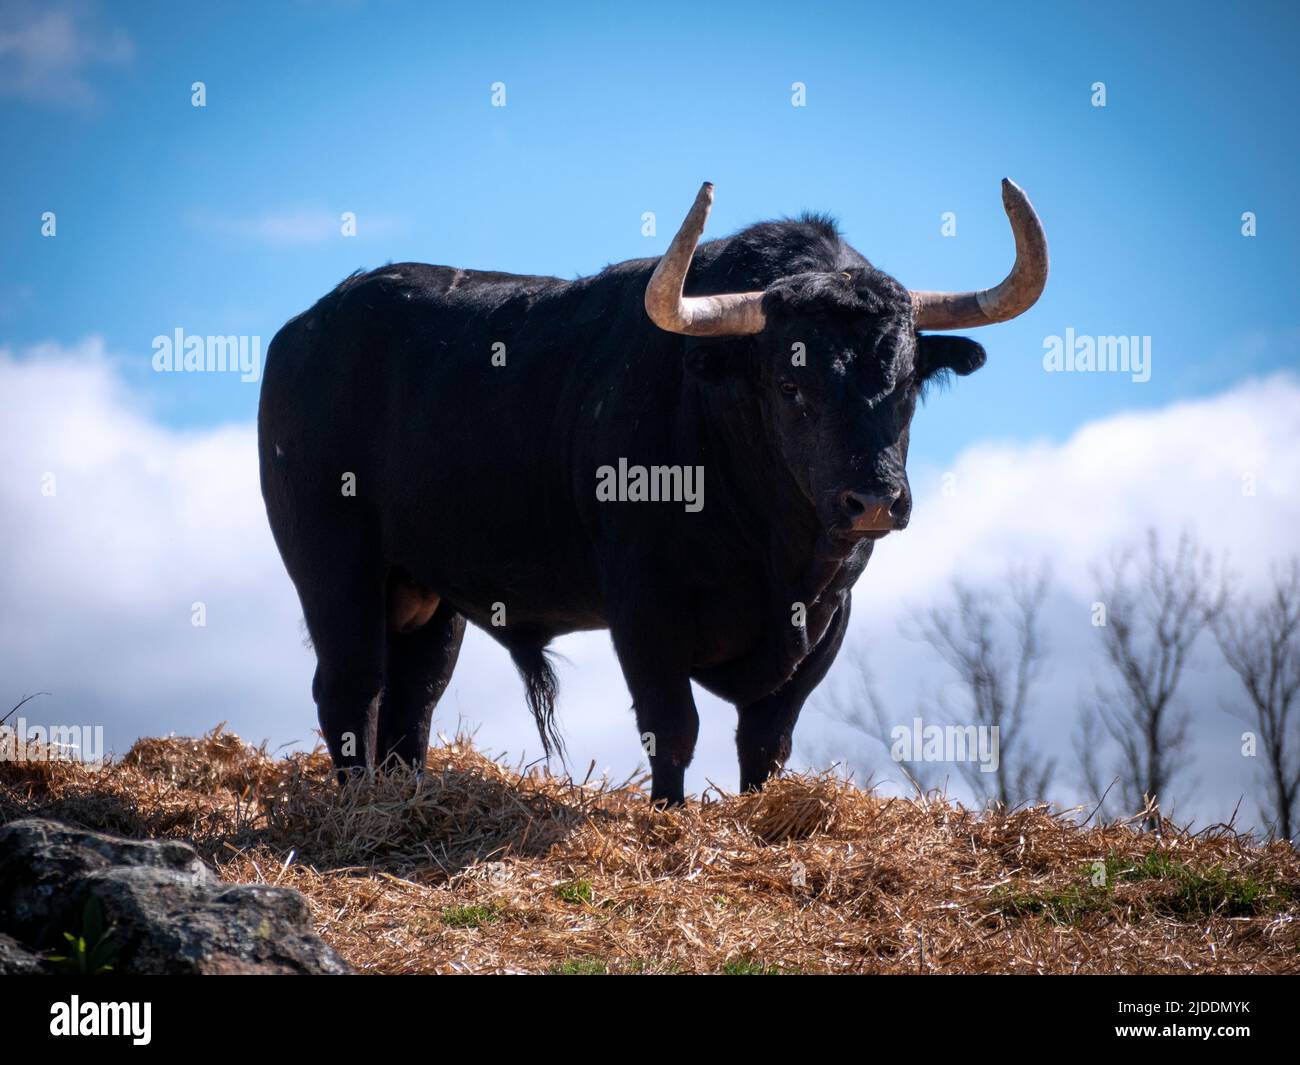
765, 732
418, 668
342, 592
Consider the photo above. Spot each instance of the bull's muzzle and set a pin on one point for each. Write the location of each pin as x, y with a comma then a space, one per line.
864, 514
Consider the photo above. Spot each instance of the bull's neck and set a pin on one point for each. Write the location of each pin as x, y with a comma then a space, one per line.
760, 496
768, 512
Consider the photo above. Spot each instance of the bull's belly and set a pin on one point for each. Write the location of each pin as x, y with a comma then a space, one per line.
515, 597
411, 606
495, 586
727, 626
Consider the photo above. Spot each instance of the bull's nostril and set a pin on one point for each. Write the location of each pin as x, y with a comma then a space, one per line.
875, 512
852, 504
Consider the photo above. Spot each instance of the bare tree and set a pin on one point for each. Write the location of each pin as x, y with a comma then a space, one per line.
1154, 607
1261, 643
861, 708
997, 673
991, 639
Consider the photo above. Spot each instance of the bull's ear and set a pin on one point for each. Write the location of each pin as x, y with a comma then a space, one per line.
941, 352
712, 360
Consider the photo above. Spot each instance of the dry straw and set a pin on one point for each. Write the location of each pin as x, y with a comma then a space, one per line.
476, 867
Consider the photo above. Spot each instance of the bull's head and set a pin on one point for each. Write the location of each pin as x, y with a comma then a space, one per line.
840, 416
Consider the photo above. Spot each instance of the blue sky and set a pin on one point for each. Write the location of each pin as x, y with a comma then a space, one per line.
225, 220
211, 219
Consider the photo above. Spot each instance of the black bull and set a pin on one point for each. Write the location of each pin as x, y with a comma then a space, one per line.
442, 445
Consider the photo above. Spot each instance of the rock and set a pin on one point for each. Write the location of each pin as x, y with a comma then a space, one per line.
40, 860
169, 912
15, 961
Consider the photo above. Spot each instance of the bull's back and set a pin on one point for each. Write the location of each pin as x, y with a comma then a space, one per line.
429, 392
393, 360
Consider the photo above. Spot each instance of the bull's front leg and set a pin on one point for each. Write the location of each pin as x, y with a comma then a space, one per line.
765, 729
652, 644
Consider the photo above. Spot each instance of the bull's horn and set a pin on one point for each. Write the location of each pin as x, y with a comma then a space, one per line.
731, 314
1015, 295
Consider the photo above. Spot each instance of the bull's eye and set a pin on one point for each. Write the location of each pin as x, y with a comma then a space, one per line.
790, 389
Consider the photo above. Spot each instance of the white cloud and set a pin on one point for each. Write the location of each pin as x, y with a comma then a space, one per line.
1183, 465
48, 51
98, 580
1189, 466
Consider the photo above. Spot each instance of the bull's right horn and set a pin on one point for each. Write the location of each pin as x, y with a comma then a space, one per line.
729, 314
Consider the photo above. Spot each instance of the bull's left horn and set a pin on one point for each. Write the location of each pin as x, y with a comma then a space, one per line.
729, 314
1015, 295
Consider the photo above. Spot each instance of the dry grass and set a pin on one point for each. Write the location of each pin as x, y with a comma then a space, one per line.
476, 868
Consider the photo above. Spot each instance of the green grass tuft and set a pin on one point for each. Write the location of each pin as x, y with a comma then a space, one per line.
580, 967
1192, 892
578, 892
470, 916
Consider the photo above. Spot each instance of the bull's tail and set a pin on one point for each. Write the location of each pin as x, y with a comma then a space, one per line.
542, 686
